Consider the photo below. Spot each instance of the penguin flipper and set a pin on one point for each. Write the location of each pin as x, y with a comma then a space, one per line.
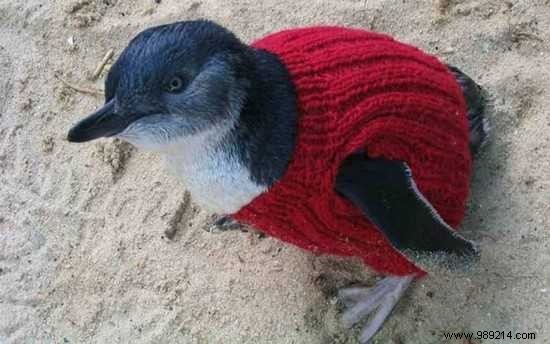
386, 193
476, 104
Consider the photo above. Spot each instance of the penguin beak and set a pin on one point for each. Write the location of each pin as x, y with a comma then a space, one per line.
102, 123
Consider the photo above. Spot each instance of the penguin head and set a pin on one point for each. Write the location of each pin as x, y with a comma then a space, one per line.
171, 83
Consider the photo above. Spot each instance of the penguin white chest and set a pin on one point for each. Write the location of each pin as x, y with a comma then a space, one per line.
216, 179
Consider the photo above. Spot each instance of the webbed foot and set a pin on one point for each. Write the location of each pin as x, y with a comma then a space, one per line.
359, 302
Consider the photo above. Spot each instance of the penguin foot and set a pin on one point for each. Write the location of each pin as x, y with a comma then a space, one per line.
359, 302
224, 223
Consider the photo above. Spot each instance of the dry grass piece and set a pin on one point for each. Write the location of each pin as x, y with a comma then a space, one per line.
102, 64
81, 89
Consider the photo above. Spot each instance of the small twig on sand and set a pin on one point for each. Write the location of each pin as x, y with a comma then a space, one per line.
523, 36
102, 64
442, 6
81, 89
374, 20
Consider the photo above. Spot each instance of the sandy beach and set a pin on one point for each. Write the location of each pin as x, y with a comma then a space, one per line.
100, 243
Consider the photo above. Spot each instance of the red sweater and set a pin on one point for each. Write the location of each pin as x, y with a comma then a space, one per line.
362, 90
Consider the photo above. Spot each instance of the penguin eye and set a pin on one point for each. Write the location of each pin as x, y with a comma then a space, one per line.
175, 84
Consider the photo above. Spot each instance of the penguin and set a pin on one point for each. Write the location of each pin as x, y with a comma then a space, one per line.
337, 140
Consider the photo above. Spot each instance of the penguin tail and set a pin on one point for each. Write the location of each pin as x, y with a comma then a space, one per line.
477, 104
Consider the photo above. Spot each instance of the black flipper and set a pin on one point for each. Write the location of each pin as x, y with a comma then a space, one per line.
476, 102
386, 192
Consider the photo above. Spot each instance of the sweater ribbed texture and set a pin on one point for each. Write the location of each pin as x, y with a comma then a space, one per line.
362, 90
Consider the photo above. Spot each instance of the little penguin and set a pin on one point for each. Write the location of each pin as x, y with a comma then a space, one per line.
340, 141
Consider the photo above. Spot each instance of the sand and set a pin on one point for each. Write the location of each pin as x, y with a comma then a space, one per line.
84, 253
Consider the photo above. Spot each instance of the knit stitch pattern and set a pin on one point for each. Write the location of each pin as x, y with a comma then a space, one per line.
359, 90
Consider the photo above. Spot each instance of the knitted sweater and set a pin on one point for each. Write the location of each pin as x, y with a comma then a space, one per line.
362, 90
